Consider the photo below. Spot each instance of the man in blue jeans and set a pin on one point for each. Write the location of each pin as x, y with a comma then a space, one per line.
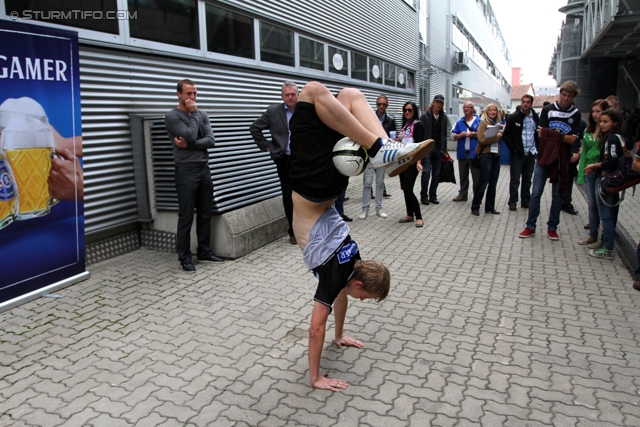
559, 128
191, 135
521, 137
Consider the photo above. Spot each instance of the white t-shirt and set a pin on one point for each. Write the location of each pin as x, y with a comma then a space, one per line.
467, 141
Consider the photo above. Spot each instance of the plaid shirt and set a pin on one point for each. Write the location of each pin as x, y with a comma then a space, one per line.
528, 140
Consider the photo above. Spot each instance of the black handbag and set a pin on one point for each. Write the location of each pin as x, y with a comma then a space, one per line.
446, 172
620, 178
475, 162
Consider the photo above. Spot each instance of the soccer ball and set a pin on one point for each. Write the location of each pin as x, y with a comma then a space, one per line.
349, 157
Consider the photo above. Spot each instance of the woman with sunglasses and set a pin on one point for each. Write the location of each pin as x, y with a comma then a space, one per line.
412, 130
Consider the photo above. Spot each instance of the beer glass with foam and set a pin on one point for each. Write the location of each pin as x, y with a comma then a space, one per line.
8, 193
28, 145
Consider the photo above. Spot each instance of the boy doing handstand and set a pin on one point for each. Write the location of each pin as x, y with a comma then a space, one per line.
318, 122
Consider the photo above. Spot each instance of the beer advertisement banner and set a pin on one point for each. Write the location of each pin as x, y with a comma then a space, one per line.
41, 187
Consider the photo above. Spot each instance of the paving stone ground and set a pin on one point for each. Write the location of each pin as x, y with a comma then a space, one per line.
481, 328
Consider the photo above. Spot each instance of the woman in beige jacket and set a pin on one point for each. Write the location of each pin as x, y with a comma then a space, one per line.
489, 150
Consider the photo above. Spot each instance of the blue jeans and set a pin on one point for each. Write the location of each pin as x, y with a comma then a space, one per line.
608, 216
195, 191
540, 175
594, 215
432, 165
489, 173
521, 166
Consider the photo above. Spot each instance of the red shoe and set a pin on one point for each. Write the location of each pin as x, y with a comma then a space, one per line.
527, 232
553, 235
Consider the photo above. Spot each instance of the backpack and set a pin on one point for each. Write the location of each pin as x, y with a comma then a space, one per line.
620, 178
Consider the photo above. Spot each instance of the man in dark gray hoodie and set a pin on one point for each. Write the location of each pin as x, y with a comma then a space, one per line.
191, 135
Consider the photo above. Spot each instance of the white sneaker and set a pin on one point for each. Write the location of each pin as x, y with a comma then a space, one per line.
363, 215
396, 168
381, 214
393, 151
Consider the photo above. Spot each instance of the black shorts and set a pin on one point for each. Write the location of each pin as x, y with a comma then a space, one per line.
334, 274
311, 168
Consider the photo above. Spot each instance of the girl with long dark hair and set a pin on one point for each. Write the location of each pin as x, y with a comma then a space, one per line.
590, 153
412, 130
611, 143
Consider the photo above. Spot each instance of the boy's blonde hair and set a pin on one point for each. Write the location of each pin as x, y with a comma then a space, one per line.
571, 87
375, 278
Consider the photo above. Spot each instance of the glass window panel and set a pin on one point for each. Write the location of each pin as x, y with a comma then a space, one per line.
96, 15
411, 80
276, 45
229, 33
358, 66
402, 78
338, 61
389, 74
311, 54
166, 21
457, 37
375, 71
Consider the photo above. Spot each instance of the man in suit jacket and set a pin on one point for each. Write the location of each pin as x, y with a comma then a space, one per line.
276, 119
435, 124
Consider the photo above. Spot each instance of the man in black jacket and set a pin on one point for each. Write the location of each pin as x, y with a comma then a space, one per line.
522, 139
387, 121
435, 124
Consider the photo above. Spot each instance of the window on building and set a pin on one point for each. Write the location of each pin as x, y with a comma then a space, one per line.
375, 71
411, 78
229, 33
166, 21
311, 54
359, 68
73, 13
276, 45
402, 78
389, 74
338, 61
457, 36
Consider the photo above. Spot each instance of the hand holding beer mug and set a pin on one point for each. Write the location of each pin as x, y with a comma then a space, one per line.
8, 193
65, 178
28, 145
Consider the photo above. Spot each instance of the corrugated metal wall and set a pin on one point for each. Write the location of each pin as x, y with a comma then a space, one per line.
117, 83
361, 24
438, 30
438, 50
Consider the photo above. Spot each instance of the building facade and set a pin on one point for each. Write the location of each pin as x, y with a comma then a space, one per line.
238, 52
598, 48
466, 58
